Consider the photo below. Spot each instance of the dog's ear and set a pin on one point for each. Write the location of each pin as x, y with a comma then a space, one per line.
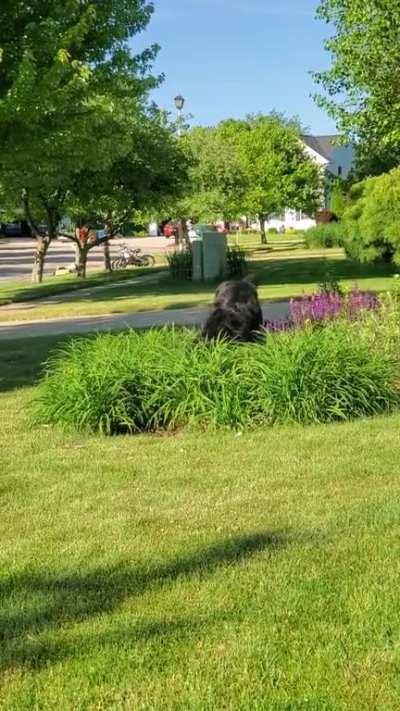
252, 278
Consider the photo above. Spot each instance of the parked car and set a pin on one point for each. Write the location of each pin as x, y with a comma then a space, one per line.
15, 229
18, 229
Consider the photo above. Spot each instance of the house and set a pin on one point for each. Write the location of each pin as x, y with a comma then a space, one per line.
334, 159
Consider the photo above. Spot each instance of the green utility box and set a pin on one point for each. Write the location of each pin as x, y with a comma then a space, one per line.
209, 250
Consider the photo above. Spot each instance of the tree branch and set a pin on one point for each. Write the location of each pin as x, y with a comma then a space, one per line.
33, 226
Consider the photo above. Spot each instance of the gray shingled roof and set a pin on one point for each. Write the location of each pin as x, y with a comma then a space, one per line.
324, 145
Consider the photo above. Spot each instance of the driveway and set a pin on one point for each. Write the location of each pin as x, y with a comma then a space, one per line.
16, 254
145, 319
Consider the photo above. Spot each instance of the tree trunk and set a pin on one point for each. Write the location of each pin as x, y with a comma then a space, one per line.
80, 260
107, 256
42, 245
183, 239
262, 229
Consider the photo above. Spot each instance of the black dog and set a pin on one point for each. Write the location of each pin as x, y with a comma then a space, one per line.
237, 313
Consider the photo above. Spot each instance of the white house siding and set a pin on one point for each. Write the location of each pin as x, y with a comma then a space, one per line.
339, 163
291, 219
296, 219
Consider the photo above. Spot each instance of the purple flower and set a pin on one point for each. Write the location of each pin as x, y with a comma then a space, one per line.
360, 301
325, 306
322, 307
277, 325
316, 308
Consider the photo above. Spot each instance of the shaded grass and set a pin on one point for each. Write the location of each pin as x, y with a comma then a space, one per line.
21, 361
279, 277
151, 573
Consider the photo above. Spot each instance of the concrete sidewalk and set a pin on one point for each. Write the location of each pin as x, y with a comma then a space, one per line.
145, 319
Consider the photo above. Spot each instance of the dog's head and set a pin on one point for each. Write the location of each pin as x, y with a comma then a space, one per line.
232, 293
237, 312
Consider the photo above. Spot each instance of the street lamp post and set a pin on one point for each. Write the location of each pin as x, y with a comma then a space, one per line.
179, 103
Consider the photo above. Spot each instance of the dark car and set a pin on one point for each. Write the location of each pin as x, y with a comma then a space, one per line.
19, 229
15, 229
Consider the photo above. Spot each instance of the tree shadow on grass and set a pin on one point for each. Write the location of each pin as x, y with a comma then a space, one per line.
22, 361
35, 603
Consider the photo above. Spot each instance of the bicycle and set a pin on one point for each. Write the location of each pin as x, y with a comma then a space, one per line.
132, 257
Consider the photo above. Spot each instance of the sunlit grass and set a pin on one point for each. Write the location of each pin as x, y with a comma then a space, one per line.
196, 571
279, 276
16, 291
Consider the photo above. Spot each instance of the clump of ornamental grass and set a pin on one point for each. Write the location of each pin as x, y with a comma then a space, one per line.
168, 378
322, 375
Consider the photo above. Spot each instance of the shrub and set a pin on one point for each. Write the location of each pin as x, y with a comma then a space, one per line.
236, 262
325, 216
381, 327
133, 382
330, 283
339, 200
272, 231
180, 264
372, 221
325, 235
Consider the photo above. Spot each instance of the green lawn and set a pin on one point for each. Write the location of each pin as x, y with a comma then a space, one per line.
196, 571
279, 275
21, 290
252, 240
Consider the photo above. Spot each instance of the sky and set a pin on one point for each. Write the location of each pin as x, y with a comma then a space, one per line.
229, 58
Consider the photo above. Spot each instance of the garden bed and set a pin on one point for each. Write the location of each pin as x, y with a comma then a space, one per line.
335, 368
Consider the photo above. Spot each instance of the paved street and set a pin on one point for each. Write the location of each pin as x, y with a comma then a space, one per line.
16, 255
146, 319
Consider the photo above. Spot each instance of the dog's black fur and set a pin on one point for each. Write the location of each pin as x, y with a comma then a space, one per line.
236, 315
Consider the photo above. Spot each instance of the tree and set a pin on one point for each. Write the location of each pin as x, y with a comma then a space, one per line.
71, 98
215, 179
277, 171
255, 166
152, 174
361, 87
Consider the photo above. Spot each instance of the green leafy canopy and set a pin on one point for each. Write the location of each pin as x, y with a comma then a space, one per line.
361, 88
79, 135
256, 166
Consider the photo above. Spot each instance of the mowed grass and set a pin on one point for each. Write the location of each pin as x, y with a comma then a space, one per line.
279, 275
196, 571
14, 292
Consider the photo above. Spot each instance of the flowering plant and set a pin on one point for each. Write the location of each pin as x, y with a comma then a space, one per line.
322, 307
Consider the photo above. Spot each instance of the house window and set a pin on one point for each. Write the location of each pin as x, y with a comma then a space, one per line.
339, 170
299, 215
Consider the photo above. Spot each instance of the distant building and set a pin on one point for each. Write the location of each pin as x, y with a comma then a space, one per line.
334, 159
337, 159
